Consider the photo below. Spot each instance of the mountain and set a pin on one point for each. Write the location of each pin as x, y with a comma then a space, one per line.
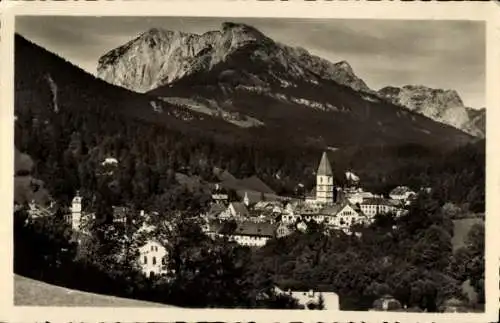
159, 57
240, 75
54, 86
444, 106
69, 122
477, 121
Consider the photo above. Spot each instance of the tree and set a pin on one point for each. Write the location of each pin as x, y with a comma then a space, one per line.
468, 261
432, 249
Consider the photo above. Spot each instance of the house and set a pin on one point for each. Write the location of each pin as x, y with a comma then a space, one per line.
219, 196
216, 210
245, 233
341, 216
253, 234
310, 299
120, 214
386, 303
153, 258
402, 193
283, 230
355, 196
454, 305
377, 205
235, 210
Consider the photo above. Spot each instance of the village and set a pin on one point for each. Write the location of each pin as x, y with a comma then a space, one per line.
255, 219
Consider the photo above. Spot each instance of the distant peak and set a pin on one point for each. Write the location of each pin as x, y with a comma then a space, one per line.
242, 29
234, 25
154, 30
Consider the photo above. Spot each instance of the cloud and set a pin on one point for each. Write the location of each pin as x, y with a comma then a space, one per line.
444, 54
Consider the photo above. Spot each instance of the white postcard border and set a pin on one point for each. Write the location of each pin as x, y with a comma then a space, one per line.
486, 11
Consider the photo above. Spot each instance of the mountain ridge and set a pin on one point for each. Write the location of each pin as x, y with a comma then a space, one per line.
161, 57
442, 105
187, 53
330, 123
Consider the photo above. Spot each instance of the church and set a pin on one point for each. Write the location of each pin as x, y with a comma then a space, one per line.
325, 192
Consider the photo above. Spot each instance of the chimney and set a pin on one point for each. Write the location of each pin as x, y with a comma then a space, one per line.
142, 213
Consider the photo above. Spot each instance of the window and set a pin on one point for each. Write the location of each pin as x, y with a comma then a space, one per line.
154, 260
145, 260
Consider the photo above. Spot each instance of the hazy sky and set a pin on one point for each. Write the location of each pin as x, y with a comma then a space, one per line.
441, 54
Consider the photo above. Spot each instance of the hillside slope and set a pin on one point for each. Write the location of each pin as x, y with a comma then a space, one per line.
82, 92
30, 292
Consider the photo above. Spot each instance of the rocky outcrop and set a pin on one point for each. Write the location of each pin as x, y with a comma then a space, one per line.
444, 106
159, 57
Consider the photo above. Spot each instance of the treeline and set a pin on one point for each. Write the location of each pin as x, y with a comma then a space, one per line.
410, 258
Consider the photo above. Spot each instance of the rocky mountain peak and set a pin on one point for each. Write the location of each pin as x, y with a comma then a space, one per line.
242, 29
159, 57
345, 66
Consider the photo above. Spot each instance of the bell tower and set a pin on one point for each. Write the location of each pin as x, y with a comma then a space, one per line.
324, 181
76, 211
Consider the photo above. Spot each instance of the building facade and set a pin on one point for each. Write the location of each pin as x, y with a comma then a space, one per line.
153, 258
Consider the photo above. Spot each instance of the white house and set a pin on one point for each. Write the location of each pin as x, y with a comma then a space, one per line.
310, 299
343, 215
357, 196
374, 206
153, 258
246, 233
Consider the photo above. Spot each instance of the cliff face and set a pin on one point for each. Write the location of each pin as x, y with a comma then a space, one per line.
444, 106
159, 57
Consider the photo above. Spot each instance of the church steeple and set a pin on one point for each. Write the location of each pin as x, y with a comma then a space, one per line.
246, 200
324, 181
324, 168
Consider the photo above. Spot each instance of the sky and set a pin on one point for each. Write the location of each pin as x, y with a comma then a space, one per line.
438, 54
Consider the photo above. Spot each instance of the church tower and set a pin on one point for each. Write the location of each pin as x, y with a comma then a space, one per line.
324, 181
76, 212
